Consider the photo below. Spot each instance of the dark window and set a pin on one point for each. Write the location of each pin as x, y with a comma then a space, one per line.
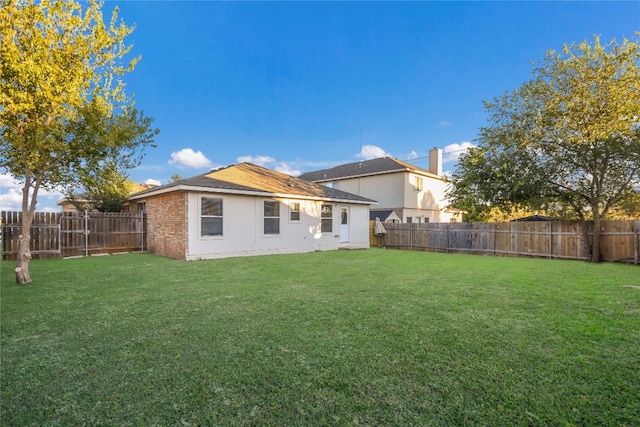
326, 218
294, 209
210, 216
271, 217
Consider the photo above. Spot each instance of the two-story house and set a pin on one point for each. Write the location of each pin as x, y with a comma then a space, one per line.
402, 190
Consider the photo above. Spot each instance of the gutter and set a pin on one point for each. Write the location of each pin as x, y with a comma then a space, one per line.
188, 188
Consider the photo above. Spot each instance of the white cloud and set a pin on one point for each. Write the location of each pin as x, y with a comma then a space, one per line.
11, 200
256, 160
453, 151
369, 152
153, 181
412, 155
7, 181
289, 170
11, 196
444, 123
193, 159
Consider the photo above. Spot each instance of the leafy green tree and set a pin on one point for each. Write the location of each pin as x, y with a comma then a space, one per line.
106, 190
61, 79
103, 176
567, 139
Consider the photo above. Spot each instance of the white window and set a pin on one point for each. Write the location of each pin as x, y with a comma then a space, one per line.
326, 218
210, 216
418, 186
294, 212
334, 184
409, 220
271, 217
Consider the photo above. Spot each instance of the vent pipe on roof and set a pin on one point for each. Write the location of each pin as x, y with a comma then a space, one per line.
435, 161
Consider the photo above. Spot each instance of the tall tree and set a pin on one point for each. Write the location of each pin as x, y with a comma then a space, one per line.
567, 139
61, 69
105, 190
103, 176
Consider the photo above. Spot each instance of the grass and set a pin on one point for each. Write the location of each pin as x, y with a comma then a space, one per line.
335, 338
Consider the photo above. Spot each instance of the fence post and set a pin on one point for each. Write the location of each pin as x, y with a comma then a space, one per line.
86, 233
448, 236
636, 245
410, 236
551, 240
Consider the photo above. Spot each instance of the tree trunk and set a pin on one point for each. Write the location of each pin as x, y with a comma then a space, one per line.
595, 246
24, 253
586, 245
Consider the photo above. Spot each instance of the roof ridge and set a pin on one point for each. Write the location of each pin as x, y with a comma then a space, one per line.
379, 165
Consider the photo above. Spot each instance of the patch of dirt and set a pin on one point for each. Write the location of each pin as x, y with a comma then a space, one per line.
631, 286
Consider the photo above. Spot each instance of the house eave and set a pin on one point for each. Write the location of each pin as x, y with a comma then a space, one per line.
364, 175
198, 189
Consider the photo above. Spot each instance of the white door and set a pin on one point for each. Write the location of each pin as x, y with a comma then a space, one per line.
344, 224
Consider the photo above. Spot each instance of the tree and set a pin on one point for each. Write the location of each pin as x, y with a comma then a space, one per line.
61, 78
567, 139
106, 190
103, 177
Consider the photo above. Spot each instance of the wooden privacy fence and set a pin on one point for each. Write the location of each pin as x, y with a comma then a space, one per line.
619, 241
66, 234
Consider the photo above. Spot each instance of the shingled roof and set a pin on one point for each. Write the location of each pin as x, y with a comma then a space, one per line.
247, 178
378, 166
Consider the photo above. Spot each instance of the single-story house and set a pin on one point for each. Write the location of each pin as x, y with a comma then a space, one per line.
246, 209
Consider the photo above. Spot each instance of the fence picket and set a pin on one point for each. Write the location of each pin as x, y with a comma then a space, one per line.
620, 240
64, 234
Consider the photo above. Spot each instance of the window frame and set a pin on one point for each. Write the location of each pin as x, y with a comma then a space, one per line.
266, 218
324, 219
418, 183
202, 217
293, 211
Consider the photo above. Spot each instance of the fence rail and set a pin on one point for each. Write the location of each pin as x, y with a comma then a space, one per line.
66, 234
619, 241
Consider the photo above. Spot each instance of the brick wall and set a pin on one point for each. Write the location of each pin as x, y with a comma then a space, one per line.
167, 225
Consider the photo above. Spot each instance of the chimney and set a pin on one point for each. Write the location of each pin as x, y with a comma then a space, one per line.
435, 161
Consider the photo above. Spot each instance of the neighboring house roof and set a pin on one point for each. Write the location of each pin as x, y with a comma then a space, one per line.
536, 218
383, 214
83, 198
250, 179
378, 166
136, 188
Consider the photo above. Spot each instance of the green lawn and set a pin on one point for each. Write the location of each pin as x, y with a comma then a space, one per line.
335, 338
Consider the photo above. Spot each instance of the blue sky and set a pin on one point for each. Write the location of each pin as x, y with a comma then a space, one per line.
303, 86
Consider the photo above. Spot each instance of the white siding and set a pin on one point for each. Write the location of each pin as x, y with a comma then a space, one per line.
243, 228
385, 189
397, 190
